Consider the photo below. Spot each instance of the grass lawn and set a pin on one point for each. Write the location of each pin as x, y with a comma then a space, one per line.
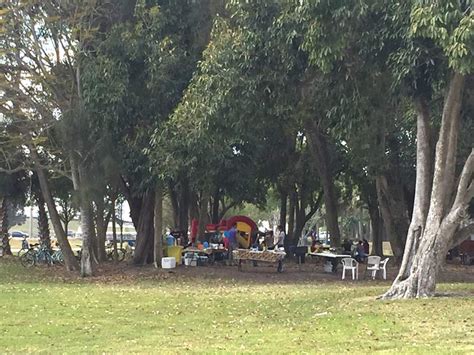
168, 313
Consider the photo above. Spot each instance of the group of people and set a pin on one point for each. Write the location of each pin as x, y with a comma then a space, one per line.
359, 251
269, 240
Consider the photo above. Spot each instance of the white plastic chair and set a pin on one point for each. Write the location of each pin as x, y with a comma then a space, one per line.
350, 264
373, 264
383, 267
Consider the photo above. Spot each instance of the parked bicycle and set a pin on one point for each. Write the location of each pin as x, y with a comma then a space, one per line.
120, 256
38, 254
25, 246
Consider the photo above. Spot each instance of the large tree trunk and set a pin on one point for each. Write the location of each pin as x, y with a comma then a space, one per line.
394, 212
158, 226
101, 221
291, 215
114, 229
283, 204
193, 206
145, 231
377, 232
87, 221
4, 227
69, 258
184, 206
302, 216
215, 207
431, 237
43, 223
319, 149
79, 176
203, 212
175, 206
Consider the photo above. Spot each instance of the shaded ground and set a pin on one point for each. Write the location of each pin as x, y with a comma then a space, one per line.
309, 272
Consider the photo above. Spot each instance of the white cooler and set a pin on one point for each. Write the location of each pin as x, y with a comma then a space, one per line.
168, 263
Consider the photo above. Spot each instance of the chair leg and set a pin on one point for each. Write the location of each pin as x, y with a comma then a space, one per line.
343, 273
357, 273
384, 274
373, 274
353, 273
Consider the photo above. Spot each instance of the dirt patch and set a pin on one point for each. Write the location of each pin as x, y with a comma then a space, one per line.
310, 272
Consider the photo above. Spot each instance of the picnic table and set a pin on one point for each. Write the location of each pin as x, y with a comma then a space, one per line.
209, 252
333, 258
268, 256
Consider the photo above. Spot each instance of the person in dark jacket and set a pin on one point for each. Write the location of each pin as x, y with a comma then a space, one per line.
366, 246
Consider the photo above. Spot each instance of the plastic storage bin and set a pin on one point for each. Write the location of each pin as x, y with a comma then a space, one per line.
190, 259
202, 260
168, 263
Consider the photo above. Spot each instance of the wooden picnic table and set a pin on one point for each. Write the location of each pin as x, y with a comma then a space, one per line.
268, 256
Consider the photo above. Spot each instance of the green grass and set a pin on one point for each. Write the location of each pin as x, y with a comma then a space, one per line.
170, 313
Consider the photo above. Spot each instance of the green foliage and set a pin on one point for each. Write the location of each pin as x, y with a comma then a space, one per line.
450, 24
135, 75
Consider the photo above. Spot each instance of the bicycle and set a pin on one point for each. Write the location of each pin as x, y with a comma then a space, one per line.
24, 247
111, 256
36, 256
58, 257
41, 255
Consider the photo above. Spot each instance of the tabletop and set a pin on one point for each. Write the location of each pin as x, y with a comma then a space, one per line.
330, 255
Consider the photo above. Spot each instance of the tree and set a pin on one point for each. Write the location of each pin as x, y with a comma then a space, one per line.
63, 195
33, 87
441, 197
131, 86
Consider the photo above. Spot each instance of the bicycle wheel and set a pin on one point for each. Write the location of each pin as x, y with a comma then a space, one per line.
58, 257
28, 259
119, 257
22, 252
44, 257
121, 254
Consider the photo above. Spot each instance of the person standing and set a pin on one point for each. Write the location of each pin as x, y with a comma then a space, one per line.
279, 239
233, 244
366, 246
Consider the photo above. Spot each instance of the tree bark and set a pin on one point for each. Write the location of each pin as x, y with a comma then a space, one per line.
87, 221
283, 204
4, 227
203, 211
437, 233
43, 223
69, 258
376, 223
145, 231
193, 206
114, 228
291, 215
423, 184
102, 222
175, 206
215, 207
184, 206
87, 218
394, 212
158, 226
301, 216
319, 149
